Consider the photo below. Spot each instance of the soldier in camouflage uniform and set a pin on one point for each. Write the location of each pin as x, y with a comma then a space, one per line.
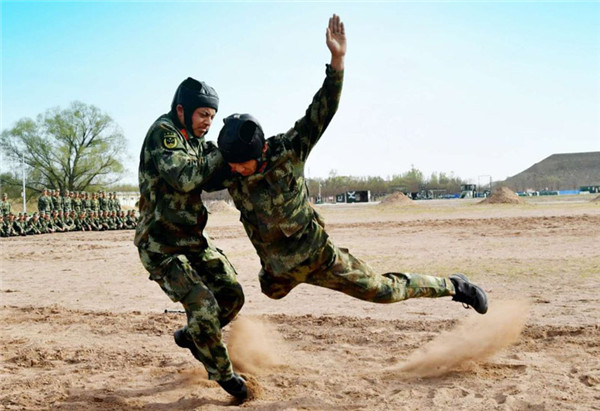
33, 225
69, 221
130, 220
76, 201
116, 202
44, 202
56, 201
85, 202
4, 231
269, 189
94, 203
110, 205
4, 205
19, 225
176, 163
59, 225
102, 202
66, 202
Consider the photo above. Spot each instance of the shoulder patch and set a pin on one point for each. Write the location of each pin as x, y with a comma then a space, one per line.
170, 140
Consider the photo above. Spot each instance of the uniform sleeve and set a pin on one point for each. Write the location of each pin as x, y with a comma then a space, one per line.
308, 130
178, 164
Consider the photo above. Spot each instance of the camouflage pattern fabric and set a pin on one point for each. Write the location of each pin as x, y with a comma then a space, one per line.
339, 270
172, 172
45, 204
274, 206
206, 285
173, 247
289, 235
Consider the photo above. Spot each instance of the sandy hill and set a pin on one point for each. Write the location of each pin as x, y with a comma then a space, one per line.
503, 195
559, 172
396, 199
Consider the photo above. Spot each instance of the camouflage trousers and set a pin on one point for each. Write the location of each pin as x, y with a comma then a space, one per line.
335, 268
206, 285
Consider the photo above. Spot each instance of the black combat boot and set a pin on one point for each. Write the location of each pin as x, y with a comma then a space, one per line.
469, 293
235, 386
184, 340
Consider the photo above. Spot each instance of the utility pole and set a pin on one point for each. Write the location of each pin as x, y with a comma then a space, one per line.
23, 194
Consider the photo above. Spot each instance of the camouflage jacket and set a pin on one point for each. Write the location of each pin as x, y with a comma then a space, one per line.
76, 204
57, 204
172, 172
44, 204
280, 222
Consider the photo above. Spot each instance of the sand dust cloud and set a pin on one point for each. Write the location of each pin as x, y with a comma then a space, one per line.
473, 340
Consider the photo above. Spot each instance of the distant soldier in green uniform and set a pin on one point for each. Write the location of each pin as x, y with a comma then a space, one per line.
130, 220
57, 221
5, 205
102, 202
47, 224
10, 225
3, 226
85, 202
94, 204
269, 190
19, 225
33, 225
116, 202
45, 202
57, 203
109, 203
69, 221
66, 202
175, 165
76, 200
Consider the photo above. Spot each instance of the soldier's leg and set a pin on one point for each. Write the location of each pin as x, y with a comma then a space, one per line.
219, 275
356, 278
182, 283
277, 287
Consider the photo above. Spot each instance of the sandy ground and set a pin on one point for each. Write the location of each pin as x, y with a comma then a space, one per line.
83, 327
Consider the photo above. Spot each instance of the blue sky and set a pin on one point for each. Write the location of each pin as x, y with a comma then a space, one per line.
473, 88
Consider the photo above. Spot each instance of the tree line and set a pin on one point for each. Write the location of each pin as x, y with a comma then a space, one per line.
80, 148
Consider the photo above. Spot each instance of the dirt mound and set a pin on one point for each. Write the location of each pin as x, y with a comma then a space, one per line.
397, 198
219, 206
503, 195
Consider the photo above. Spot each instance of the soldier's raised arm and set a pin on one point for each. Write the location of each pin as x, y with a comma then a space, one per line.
308, 130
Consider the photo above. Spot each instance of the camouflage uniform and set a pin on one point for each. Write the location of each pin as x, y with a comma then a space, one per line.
33, 225
94, 203
171, 241
76, 202
289, 235
102, 202
44, 203
57, 204
5, 205
86, 203
116, 202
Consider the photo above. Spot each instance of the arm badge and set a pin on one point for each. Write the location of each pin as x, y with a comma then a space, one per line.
170, 140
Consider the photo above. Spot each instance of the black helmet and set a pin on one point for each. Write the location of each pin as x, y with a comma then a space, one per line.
192, 94
241, 139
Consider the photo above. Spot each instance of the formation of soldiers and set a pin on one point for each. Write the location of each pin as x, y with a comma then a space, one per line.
74, 211
77, 201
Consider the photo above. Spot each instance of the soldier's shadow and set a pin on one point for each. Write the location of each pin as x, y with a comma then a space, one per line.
128, 399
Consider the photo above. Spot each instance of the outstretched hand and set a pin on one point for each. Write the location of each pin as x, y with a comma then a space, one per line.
336, 42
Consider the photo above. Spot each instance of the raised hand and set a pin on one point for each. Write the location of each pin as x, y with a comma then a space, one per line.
336, 42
